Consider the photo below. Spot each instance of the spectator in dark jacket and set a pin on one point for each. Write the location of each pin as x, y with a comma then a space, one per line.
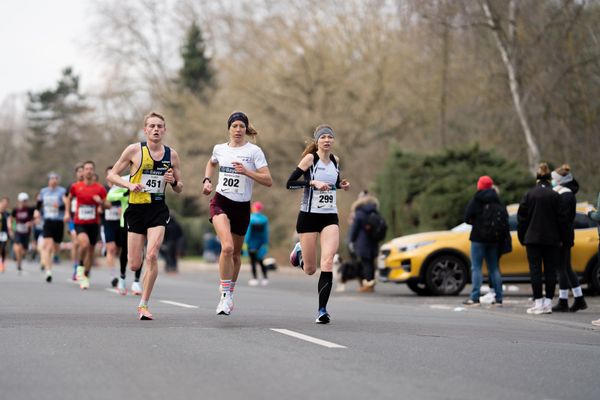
594, 214
172, 245
541, 226
566, 186
363, 246
482, 247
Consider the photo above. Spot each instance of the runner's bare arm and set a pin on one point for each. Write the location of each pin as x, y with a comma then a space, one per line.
174, 175
67, 201
261, 175
344, 184
208, 172
126, 160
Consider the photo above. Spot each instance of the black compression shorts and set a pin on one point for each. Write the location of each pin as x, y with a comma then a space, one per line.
311, 222
141, 217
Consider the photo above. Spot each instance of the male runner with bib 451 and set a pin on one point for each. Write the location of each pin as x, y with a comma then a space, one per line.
152, 166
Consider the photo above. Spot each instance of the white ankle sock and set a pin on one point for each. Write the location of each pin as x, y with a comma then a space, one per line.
563, 294
577, 291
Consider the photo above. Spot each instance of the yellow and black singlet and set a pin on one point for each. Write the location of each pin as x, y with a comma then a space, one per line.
151, 174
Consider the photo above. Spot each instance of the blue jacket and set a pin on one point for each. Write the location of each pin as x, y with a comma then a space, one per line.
257, 236
364, 246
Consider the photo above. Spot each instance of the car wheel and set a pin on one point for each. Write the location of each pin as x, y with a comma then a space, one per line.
594, 282
418, 287
446, 275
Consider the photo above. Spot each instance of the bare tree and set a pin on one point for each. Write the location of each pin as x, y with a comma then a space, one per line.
505, 41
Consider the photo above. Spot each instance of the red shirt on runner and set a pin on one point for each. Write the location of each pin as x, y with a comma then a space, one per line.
87, 208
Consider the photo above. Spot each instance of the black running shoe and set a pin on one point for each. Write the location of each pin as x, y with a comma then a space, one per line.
49, 278
114, 282
323, 317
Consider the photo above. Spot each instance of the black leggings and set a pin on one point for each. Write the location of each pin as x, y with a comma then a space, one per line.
3, 246
567, 279
548, 255
253, 260
367, 268
123, 260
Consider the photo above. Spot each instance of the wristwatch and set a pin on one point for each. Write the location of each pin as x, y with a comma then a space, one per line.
206, 178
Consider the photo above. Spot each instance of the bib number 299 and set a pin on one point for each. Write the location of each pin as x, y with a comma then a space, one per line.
326, 198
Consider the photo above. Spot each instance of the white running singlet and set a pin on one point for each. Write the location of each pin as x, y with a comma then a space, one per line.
232, 185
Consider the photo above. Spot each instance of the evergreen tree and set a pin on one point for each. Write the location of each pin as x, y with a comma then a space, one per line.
56, 124
430, 192
196, 74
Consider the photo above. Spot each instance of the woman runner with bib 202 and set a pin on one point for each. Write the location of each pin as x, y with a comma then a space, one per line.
318, 212
240, 164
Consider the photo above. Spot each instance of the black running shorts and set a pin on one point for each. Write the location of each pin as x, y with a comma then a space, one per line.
91, 230
54, 229
110, 230
141, 217
311, 222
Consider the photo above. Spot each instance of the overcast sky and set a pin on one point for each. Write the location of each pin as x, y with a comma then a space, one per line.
38, 38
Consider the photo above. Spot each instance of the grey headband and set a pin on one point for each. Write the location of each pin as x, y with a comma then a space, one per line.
325, 130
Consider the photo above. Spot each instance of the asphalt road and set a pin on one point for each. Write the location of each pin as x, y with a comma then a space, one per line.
58, 342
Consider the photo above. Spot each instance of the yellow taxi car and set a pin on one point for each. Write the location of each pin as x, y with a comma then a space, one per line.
438, 263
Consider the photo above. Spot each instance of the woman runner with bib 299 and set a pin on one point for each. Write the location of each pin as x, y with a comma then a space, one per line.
240, 164
318, 212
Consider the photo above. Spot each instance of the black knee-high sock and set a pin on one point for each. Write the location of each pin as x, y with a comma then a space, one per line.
138, 273
325, 281
123, 262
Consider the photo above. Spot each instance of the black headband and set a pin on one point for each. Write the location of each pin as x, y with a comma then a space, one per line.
237, 116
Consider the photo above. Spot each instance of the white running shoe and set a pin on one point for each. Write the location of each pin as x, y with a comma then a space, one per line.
489, 298
225, 305
136, 288
122, 287
547, 305
253, 282
296, 256
80, 274
541, 307
264, 282
84, 283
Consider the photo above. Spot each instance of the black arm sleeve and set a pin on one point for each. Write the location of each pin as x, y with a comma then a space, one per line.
293, 181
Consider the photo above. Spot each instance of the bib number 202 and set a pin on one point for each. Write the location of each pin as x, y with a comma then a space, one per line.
231, 182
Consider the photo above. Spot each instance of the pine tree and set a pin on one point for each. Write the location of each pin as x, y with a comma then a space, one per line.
56, 124
429, 192
196, 74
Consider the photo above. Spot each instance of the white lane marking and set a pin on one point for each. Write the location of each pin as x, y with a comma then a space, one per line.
174, 303
310, 339
440, 307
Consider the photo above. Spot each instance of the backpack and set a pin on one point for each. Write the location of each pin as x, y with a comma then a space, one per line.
494, 225
376, 226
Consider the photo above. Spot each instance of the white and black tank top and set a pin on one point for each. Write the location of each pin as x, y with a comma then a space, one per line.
321, 201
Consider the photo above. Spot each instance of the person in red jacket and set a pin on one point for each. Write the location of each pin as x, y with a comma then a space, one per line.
90, 197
